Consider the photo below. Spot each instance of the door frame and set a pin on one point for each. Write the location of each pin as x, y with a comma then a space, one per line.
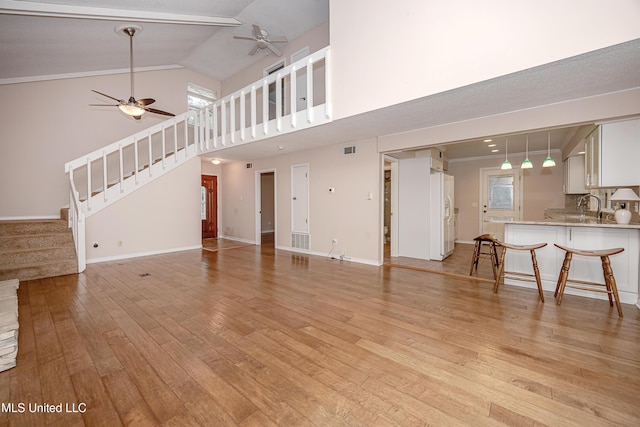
258, 203
520, 177
218, 199
395, 185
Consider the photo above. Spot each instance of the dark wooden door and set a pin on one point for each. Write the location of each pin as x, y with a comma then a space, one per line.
210, 206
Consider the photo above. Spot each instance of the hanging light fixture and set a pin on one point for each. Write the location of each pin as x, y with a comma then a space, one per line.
506, 164
548, 162
527, 163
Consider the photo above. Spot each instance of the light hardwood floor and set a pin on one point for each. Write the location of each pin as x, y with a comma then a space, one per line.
255, 337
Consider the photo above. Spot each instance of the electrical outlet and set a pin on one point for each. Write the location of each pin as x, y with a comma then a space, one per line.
334, 240
120, 243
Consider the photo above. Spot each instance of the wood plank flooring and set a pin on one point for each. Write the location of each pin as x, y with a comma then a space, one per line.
251, 336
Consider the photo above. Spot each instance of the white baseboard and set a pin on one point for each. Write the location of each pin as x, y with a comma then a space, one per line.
141, 254
336, 257
238, 239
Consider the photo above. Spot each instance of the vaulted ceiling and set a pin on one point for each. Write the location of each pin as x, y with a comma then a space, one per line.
51, 37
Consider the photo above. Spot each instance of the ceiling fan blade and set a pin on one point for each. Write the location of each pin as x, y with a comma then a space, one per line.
278, 39
244, 38
257, 31
253, 50
108, 96
164, 113
145, 101
274, 50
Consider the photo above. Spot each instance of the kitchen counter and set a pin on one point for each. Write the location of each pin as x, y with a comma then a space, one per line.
576, 221
588, 234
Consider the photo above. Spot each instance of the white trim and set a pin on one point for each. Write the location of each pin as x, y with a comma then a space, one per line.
237, 239
141, 254
324, 255
11, 7
29, 79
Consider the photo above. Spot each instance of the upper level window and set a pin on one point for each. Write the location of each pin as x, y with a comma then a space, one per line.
198, 97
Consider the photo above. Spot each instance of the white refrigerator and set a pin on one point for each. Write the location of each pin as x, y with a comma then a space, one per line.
441, 228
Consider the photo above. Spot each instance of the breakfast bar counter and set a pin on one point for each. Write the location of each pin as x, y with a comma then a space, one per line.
581, 233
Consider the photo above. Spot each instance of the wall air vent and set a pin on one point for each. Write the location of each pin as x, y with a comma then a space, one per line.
300, 241
249, 165
350, 150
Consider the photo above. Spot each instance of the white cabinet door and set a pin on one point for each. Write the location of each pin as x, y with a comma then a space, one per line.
574, 178
619, 154
592, 159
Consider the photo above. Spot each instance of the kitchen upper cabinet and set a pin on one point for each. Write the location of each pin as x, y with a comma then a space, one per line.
574, 176
611, 154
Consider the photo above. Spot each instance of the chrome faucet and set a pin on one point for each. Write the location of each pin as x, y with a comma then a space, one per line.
584, 199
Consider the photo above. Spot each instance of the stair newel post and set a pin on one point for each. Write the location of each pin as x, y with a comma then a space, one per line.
232, 118
164, 148
309, 90
294, 95
175, 141
135, 160
71, 199
89, 189
121, 166
253, 111
243, 120
150, 153
265, 106
104, 175
279, 101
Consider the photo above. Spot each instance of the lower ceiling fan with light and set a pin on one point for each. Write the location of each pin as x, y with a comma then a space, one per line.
263, 41
133, 107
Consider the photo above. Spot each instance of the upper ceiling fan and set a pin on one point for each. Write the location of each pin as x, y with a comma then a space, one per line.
133, 107
263, 41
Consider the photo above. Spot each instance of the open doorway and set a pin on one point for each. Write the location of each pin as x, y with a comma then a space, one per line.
265, 201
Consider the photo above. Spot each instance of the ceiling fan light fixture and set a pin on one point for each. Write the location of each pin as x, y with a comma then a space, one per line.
132, 110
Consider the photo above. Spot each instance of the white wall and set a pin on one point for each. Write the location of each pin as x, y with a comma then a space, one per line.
49, 123
385, 53
347, 215
162, 216
413, 207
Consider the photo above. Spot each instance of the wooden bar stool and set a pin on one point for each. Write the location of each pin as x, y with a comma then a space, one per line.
513, 275
485, 241
609, 279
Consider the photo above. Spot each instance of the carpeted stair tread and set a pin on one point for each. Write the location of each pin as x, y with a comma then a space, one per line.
35, 249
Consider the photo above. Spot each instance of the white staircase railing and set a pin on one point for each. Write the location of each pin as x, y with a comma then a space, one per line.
258, 111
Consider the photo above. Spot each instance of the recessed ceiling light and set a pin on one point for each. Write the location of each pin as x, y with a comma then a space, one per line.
280, 147
488, 140
215, 161
491, 145
495, 151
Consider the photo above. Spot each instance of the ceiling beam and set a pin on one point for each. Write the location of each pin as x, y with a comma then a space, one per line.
27, 8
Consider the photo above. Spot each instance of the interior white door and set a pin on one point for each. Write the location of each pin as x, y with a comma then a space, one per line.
501, 199
300, 198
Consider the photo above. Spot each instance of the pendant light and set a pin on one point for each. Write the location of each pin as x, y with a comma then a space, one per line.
548, 162
527, 163
506, 164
